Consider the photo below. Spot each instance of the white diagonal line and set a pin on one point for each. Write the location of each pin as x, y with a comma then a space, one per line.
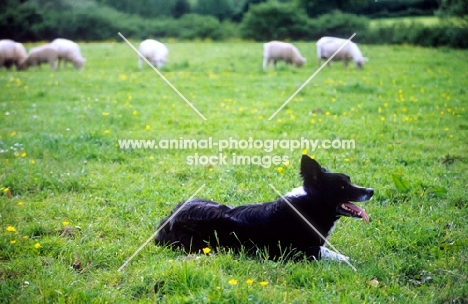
164, 78
159, 229
310, 78
310, 224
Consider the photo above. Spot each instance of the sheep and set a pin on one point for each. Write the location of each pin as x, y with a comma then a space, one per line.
154, 51
68, 51
274, 51
11, 53
41, 54
327, 46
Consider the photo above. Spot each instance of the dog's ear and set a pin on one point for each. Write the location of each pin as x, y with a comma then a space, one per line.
311, 171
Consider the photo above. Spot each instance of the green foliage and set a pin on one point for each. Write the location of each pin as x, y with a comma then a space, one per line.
401, 184
457, 8
338, 24
393, 8
274, 21
180, 8
88, 20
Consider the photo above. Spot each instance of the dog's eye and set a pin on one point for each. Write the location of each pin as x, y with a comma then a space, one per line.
342, 187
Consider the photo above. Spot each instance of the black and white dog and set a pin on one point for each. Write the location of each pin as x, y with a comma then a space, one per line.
274, 226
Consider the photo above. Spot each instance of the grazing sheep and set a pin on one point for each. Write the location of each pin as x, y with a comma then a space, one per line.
68, 51
276, 51
11, 53
327, 46
154, 51
41, 54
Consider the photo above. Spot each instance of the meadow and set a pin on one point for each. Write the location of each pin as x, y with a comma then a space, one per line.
75, 206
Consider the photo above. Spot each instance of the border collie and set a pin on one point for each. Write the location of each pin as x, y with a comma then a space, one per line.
273, 226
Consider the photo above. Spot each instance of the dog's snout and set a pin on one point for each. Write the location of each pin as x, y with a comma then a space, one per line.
370, 191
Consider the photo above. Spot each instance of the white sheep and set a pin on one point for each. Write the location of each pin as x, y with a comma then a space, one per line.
327, 46
11, 53
274, 51
68, 51
154, 51
41, 54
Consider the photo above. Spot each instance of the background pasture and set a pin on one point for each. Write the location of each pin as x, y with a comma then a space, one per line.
74, 206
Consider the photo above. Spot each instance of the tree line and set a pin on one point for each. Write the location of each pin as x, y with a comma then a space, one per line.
260, 20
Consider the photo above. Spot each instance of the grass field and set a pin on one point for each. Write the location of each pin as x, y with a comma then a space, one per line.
426, 20
75, 207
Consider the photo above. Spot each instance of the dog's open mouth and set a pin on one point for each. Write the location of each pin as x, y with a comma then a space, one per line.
351, 210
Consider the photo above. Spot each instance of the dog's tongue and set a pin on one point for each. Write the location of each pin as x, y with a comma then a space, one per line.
359, 211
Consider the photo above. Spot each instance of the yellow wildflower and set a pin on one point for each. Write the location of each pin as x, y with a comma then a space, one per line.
233, 282
10, 229
206, 250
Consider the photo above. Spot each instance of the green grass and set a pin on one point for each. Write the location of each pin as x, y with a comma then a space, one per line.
426, 20
80, 206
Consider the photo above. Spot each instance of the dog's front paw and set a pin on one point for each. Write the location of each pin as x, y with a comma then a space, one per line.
327, 254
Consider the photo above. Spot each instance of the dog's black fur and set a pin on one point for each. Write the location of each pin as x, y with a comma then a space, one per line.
273, 226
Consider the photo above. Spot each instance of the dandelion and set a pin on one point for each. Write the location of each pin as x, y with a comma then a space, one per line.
10, 229
260, 116
25, 237
304, 152
233, 282
20, 203
23, 154
107, 131
151, 157
280, 169
263, 283
33, 162
206, 250
249, 282
105, 113
12, 242
286, 163
37, 245
279, 120
123, 77
65, 223
147, 127
382, 118
135, 113
12, 134
218, 287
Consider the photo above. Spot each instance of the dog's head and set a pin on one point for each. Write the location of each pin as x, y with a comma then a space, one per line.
334, 190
